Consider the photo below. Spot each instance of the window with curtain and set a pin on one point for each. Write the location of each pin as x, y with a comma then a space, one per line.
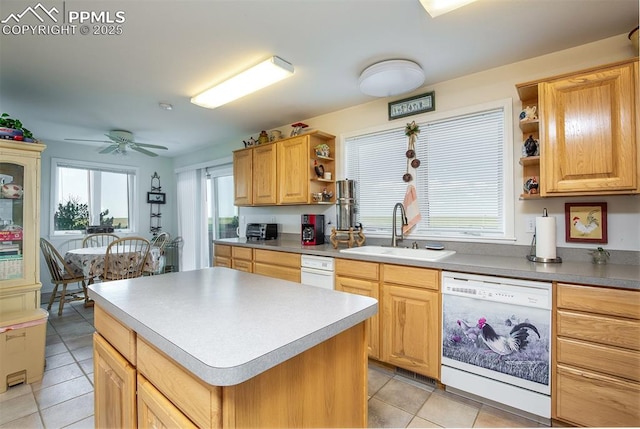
460, 183
85, 193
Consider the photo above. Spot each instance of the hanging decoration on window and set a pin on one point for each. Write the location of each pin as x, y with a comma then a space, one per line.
155, 198
411, 206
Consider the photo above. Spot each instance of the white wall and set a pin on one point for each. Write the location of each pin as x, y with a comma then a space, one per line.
478, 88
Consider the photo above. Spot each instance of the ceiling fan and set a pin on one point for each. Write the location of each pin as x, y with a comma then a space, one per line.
120, 140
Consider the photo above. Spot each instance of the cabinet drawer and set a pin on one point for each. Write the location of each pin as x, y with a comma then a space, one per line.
613, 302
589, 399
222, 262
242, 253
359, 269
284, 273
410, 276
242, 265
609, 360
222, 250
119, 336
198, 401
600, 329
154, 408
277, 258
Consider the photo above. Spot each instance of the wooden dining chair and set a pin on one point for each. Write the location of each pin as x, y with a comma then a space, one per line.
61, 276
159, 242
99, 239
73, 243
126, 258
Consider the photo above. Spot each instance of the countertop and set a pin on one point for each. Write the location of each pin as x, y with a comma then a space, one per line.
227, 326
610, 275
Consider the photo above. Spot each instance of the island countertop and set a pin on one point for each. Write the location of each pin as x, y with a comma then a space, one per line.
227, 326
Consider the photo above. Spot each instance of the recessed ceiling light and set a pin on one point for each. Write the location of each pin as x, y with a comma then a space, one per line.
165, 106
391, 77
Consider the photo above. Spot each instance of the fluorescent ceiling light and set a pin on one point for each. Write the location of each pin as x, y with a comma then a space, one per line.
440, 7
257, 77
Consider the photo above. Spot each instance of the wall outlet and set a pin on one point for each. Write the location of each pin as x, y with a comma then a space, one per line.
530, 224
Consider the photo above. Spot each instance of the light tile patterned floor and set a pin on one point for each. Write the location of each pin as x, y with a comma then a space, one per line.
64, 397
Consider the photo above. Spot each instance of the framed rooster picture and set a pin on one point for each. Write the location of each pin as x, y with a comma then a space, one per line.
585, 222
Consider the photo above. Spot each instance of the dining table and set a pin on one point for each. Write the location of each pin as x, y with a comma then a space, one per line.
89, 261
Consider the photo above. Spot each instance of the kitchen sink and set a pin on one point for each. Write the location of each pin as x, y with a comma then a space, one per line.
400, 252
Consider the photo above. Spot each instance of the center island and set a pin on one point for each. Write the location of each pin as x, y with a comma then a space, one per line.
220, 348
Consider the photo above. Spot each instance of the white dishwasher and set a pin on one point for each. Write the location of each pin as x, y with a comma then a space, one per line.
317, 271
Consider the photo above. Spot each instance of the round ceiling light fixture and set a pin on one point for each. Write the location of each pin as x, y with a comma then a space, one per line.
391, 77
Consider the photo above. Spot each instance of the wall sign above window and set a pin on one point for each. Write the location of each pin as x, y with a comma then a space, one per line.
412, 105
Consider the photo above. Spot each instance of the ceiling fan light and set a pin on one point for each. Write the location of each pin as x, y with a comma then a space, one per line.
257, 77
391, 77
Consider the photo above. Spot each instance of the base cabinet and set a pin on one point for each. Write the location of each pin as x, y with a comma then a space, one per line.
324, 386
156, 411
221, 256
596, 356
362, 278
411, 319
114, 381
281, 265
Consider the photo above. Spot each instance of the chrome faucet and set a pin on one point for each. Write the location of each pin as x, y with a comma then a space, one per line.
394, 238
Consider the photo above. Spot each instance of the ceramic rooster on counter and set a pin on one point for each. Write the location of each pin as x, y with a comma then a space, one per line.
505, 345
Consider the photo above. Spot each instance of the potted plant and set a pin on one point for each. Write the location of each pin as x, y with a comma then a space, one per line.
12, 129
600, 256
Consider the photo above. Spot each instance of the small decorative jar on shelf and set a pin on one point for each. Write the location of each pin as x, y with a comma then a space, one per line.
322, 150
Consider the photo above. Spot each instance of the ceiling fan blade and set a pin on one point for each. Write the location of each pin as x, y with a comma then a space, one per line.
153, 146
87, 140
109, 149
146, 152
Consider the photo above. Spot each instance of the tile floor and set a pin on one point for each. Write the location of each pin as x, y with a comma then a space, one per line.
64, 397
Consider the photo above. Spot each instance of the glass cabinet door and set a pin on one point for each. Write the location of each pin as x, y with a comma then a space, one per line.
12, 218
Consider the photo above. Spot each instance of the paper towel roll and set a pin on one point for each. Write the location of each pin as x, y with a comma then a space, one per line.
546, 237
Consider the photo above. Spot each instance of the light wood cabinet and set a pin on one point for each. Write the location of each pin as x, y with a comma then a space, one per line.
243, 177
283, 172
298, 392
281, 265
588, 131
362, 278
221, 255
114, 381
596, 356
411, 318
156, 411
242, 259
265, 185
20, 261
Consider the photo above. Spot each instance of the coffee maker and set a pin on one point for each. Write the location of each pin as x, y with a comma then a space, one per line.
312, 229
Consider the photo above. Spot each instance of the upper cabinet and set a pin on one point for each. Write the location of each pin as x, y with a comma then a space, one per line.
588, 131
19, 226
286, 172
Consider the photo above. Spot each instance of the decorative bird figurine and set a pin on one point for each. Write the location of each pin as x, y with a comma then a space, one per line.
506, 345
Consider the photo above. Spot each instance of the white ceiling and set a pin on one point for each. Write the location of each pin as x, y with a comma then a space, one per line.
75, 86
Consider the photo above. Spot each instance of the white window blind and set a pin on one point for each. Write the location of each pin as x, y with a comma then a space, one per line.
460, 181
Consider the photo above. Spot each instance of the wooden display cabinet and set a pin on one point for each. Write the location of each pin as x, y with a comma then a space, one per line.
20, 228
